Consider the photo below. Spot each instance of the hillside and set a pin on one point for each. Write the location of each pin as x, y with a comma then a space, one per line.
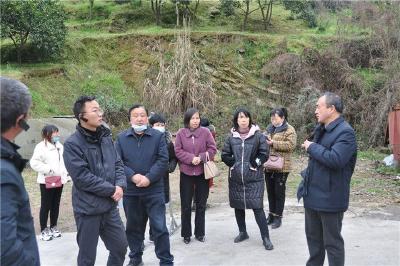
111, 55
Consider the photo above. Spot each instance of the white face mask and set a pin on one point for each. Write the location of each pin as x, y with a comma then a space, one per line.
161, 129
138, 128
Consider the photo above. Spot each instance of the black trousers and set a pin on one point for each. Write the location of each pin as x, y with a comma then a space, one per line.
261, 220
110, 228
188, 186
137, 210
323, 232
276, 189
49, 203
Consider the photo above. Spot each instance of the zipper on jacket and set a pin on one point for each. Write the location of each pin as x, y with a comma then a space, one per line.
244, 187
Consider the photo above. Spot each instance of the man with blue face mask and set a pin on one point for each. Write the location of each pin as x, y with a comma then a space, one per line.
144, 153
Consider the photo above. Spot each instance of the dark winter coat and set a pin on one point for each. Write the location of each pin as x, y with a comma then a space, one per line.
95, 169
332, 158
18, 240
172, 162
245, 158
146, 154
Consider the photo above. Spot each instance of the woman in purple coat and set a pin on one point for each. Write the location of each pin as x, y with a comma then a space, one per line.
191, 145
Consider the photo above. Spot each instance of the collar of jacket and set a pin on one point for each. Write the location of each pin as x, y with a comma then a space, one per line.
9, 152
51, 146
272, 130
252, 132
131, 132
101, 132
188, 133
334, 123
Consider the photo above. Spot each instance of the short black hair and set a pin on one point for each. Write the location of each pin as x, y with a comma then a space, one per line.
136, 105
156, 118
332, 99
15, 101
48, 130
280, 111
188, 115
79, 105
204, 122
236, 116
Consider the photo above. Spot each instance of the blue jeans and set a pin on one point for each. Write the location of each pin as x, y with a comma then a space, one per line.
137, 209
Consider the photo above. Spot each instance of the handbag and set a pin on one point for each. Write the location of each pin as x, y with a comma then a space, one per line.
210, 168
274, 162
53, 182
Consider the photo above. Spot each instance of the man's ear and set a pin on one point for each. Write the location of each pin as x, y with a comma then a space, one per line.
22, 123
82, 118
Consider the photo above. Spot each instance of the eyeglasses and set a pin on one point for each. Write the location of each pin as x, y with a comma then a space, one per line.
98, 112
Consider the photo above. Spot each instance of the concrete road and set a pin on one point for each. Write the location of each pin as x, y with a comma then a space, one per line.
371, 238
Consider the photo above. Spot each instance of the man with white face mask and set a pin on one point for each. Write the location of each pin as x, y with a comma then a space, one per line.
144, 152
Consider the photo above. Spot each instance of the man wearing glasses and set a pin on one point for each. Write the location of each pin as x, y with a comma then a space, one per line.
98, 184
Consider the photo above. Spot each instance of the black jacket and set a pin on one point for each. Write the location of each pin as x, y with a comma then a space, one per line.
18, 240
95, 169
332, 158
245, 159
147, 155
172, 162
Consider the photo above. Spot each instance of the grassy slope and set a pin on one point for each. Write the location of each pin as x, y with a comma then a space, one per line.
114, 64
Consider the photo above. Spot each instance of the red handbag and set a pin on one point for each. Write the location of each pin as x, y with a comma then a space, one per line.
53, 181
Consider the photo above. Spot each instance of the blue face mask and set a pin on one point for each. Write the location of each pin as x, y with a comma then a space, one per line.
161, 129
55, 139
139, 129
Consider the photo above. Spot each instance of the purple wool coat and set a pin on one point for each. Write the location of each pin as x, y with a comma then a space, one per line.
190, 144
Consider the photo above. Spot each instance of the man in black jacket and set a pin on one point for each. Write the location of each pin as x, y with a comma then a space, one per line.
98, 183
18, 241
145, 156
326, 181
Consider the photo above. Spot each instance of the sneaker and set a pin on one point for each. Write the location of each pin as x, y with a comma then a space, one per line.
55, 232
46, 235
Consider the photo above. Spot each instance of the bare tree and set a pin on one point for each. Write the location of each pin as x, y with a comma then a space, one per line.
91, 4
266, 11
184, 11
246, 12
156, 8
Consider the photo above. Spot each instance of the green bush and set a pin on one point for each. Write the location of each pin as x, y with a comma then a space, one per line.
304, 9
39, 23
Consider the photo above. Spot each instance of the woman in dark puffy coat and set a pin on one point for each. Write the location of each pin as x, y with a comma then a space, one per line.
245, 150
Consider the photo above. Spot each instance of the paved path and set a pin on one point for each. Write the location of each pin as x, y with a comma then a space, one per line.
370, 239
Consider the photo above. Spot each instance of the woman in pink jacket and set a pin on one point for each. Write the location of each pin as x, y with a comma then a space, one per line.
191, 145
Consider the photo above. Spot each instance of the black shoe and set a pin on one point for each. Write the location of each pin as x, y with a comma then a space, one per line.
270, 219
277, 222
135, 262
241, 237
267, 243
201, 238
186, 240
